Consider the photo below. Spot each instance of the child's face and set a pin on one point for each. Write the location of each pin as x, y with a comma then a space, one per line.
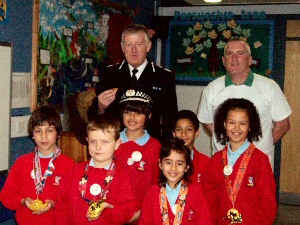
185, 130
173, 167
102, 146
134, 121
45, 138
237, 127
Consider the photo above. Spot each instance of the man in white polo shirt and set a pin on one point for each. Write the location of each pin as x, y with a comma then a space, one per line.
241, 82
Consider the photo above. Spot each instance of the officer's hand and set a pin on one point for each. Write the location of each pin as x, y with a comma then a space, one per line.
105, 99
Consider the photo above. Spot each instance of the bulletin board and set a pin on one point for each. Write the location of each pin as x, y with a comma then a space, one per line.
5, 103
195, 48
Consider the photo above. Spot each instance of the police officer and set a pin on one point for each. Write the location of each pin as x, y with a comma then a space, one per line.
137, 72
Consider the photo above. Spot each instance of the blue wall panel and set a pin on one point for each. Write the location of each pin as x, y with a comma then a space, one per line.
17, 29
20, 146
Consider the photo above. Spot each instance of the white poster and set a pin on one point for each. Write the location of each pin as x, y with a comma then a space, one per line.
5, 103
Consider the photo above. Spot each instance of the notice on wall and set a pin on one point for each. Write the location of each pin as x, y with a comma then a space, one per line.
21, 90
5, 106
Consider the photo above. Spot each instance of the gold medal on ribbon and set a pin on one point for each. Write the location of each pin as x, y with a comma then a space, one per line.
37, 205
95, 209
234, 216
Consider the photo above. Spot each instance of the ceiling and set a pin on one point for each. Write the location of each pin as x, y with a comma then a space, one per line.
169, 3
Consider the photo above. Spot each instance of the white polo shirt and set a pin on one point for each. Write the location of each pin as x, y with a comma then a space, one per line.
265, 94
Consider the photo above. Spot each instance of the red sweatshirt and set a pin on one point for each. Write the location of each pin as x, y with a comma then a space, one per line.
196, 210
141, 179
19, 185
120, 195
256, 200
200, 162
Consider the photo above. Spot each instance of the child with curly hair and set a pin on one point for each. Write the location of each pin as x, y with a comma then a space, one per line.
239, 183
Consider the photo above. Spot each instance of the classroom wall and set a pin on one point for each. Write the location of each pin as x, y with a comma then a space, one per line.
17, 30
280, 13
189, 96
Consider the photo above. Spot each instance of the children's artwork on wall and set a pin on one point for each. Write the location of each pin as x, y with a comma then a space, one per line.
195, 48
73, 43
68, 32
68, 3
64, 32
44, 56
3, 11
90, 25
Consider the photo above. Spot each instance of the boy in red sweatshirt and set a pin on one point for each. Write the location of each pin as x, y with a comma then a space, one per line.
187, 128
33, 184
99, 191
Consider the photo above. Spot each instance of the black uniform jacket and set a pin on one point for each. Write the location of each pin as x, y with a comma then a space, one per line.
157, 82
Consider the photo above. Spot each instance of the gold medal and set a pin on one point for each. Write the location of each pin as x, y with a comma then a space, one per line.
37, 205
95, 209
234, 216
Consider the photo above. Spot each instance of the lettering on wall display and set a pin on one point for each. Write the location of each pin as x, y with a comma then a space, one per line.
196, 42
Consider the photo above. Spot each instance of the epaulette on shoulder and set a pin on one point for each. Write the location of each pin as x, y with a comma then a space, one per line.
164, 68
116, 64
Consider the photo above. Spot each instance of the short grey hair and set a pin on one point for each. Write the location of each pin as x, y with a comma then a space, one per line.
235, 39
133, 29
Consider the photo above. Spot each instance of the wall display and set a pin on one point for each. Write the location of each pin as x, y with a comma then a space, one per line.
68, 3
90, 25
65, 40
44, 56
3, 10
5, 103
68, 32
195, 47
76, 38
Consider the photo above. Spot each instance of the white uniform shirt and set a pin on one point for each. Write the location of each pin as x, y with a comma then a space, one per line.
264, 93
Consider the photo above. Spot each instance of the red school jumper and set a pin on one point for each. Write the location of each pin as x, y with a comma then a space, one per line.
120, 195
256, 200
141, 177
196, 211
19, 185
200, 162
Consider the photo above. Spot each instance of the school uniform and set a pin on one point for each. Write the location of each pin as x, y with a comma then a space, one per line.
200, 162
145, 171
119, 194
196, 210
157, 82
256, 199
20, 184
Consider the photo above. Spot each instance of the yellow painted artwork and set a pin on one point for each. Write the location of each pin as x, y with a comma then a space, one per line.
3, 10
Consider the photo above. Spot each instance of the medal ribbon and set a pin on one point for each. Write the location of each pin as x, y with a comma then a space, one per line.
107, 181
40, 180
234, 190
180, 202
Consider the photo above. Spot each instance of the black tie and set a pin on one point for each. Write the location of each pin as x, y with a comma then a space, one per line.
134, 78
